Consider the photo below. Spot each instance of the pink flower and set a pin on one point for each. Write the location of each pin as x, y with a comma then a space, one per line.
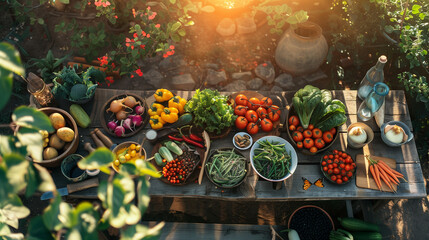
172, 47
151, 17
158, 25
97, 3
139, 72
143, 33
89, 3
116, 17
148, 8
127, 42
148, 35
169, 53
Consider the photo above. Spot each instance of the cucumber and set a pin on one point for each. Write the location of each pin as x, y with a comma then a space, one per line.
158, 160
173, 147
183, 120
353, 224
366, 236
165, 153
80, 116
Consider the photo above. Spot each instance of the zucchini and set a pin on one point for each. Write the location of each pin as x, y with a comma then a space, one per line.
353, 224
366, 236
80, 116
158, 160
173, 147
165, 153
183, 120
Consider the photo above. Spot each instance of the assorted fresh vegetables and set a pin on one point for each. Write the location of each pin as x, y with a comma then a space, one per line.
254, 114
316, 107
166, 110
58, 141
211, 110
380, 171
126, 115
338, 167
226, 168
271, 160
178, 170
359, 230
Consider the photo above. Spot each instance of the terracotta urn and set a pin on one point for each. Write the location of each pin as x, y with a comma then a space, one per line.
302, 49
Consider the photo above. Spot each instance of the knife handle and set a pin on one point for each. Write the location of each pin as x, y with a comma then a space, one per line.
105, 139
88, 147
74, 187
97, 141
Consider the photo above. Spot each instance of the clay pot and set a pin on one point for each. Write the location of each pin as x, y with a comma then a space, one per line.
302, 49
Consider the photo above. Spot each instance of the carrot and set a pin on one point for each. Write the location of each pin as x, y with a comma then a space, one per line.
387, 169
377, 174
374, 175
386, 179
393, 170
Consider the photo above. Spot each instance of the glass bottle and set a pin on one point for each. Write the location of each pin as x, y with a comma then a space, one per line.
41, 92
373, 102
375, 74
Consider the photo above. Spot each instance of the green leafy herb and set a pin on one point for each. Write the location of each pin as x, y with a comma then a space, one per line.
211, 110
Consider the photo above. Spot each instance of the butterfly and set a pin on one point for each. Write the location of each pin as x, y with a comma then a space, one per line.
307, 183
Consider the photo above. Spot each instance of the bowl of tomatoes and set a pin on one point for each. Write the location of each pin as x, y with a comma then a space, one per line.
256, 113
311, 140
338, 167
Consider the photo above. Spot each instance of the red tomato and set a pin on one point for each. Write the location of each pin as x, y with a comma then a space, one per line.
294, 120
342, 165
335, 151
241, 100
317, 133
273, 116
241, 122
292, 127
308, 143
333, 131
319, 143
240, 110
349, 174
344, 155
274, 108
262, 112
313, 149
329, 161
345, 179
343, 172
299, 144
323, 163
266, 102
330, 171
266, 125
333, 178
307, 133
252, 128
339, 181
300, 128
325, 169
251, 116
297, 136
253, 103
347, 167
325, 157
310, 126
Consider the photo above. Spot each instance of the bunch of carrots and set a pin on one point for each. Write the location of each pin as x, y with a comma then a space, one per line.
381, 171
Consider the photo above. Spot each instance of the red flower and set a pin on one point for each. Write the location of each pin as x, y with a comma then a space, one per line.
148, 35
116, 17
171, 46
264, 64
142, 46
158, 25
143, 33
131, 76
103, 61
135, 35
139, 72
109, 80
165, 55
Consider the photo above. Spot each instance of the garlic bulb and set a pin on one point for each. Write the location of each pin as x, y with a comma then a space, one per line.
395, 134
357, 135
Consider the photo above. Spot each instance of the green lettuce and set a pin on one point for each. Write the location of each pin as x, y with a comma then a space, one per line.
305, 102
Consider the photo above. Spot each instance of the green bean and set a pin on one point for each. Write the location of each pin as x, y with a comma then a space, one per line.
272, 160
226, 167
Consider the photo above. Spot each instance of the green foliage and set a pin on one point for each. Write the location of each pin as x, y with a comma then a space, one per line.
280, 14
47, 65
416, 86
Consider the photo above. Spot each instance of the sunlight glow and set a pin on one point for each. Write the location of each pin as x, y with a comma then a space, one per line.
229, 4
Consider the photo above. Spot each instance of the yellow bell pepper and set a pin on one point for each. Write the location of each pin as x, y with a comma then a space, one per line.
177, 102
155, 109
162, 95
156, 122
170, 115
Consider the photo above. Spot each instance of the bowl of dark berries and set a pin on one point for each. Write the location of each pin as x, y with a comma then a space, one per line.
311, 222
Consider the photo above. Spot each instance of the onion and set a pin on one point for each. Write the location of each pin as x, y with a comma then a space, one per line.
119, 131
121, 115
130, 101
112, 125
139, 110
115, 106
127, 124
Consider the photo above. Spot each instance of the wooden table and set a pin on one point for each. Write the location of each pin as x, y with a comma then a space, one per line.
308, 166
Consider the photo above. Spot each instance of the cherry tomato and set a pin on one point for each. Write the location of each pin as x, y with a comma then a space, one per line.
274, 108
294, 120
347, 167
317, 133
335, 151
325, 157
241, 100
308, 143
253, 103
325, 169
331, 156
274, 116
349, 174
299, 144
307, 133
313, 149
336, 171
333, 178
333, 130
292, 128
251, 116
330, 166
300, 128
335, 164
330, 171
327, 137
336, 160
345, 179
297, 136
329, 161
319, 143
342, 165
323, 163
262, 112
266, 125
343, 172
252, 128
241, 122
344, 155
339, 181
310, 126
240, 110
266, 102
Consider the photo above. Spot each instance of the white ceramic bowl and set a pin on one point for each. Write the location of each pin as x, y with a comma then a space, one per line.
289, 149
403, 126
242, 134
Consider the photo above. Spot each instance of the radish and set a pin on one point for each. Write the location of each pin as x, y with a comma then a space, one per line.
119, 131
137, 120
127, 123
112, 125
139, 110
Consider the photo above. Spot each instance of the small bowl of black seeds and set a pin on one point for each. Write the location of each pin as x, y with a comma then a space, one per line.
311, 222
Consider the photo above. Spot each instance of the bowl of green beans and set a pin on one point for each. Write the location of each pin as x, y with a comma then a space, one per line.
273, 158
226, 167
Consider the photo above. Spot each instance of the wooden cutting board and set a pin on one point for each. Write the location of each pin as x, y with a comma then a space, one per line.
364, 177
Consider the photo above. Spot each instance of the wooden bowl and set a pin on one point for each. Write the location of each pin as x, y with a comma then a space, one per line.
70, 122
105, 116
305, 151
125, 145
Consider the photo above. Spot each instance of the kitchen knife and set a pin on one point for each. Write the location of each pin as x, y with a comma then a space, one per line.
71, 188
